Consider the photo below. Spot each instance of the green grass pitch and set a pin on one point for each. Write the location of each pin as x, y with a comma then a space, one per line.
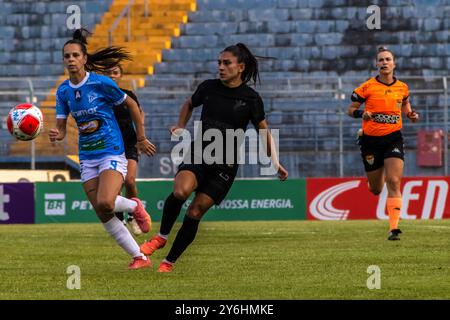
233, 260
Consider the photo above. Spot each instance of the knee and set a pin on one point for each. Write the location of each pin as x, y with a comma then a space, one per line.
181, 194
195, 212
104, 206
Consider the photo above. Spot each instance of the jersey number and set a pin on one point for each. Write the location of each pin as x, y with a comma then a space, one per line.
113, 164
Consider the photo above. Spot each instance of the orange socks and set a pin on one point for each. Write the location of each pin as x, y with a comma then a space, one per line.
394, 207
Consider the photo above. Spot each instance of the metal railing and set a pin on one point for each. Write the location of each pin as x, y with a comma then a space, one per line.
296, 120
126, 11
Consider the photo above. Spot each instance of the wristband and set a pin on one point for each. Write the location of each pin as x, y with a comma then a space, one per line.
141, 139
358, 113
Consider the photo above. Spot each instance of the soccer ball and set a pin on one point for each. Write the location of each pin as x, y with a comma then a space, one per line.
25, 121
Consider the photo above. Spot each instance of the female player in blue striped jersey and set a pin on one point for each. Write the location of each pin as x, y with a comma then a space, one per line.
89, 98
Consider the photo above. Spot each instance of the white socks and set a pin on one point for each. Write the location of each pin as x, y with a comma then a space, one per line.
123, 237
123, 204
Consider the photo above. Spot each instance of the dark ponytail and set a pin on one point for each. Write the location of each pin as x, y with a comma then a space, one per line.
101, 60
243, 55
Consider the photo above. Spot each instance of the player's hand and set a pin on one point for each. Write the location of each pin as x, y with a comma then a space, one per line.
413, 116
176, 130
145, 146
282, 173
367, 115
55, 134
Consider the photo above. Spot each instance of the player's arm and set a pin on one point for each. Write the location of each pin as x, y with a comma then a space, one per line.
185, 115
354, 112
59, 132
412, 115
143, 144
271, 150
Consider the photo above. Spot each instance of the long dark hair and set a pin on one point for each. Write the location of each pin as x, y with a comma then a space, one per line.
244, 55
101, 60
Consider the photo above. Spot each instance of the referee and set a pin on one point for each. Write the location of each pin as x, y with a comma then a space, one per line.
385, 98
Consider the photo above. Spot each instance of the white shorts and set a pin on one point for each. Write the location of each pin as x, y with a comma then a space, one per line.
91, 169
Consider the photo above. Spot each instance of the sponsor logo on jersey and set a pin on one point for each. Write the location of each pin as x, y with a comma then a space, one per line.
89, 127
92, 96
85, 112
91, 146
386, 118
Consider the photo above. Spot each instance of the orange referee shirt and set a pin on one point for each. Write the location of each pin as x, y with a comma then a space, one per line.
385, 103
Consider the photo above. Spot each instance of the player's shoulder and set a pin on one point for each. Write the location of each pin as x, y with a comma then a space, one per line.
128, 92
401, 84
250, 91
63, 87
95, 78
209, 83
370, 82
367, 85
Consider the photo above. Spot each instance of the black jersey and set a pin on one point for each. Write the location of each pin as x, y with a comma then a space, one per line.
124, 120
227, 108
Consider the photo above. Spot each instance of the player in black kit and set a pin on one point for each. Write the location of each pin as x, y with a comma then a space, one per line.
131, 153
228, 103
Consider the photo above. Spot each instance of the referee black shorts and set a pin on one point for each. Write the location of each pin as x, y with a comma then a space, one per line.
212, 180
374, 149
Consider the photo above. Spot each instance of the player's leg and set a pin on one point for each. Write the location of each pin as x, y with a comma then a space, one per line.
120, 215
109, 183
134, 205
130, 179
376, 180
185, 183
131, 191
394, 173
373, 160
199, 206
212, 190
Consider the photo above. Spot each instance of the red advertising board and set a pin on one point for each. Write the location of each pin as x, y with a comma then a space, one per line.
350, 199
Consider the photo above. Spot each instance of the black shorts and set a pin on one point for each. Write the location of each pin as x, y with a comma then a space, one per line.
131, 152
212, 180
375, 149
